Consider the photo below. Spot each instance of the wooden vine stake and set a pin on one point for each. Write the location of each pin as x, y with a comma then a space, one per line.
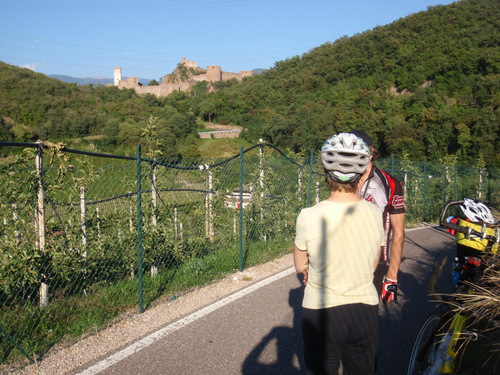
40, 224
154, 218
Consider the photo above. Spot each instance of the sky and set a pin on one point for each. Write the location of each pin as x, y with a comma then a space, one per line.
148, 38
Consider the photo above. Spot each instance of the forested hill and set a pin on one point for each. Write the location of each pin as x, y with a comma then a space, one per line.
34, 106
426, 86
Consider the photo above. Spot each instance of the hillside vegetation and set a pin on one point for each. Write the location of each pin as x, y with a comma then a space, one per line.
34, 106
426, 86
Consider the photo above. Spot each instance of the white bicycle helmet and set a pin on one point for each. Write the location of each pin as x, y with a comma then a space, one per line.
345, 157
476, 212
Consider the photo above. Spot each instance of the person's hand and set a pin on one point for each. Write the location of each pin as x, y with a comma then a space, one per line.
305, 271
389, 290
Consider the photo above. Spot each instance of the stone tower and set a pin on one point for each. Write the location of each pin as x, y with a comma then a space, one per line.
117, 76
214, 73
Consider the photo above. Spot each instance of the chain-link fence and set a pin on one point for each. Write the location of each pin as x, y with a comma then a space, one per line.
428, 186
87, 236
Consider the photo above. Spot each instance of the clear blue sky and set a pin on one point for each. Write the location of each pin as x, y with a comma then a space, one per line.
148, 38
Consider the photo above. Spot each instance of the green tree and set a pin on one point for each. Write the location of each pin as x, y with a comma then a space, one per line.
190, 148
6, 133
129, 133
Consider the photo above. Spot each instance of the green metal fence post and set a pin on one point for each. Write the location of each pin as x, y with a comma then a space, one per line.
241, 208
455, 180
392, 164
311, 163
139, 230
488, 176
425, 189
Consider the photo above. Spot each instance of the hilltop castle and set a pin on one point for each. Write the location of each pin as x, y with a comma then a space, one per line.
182, 78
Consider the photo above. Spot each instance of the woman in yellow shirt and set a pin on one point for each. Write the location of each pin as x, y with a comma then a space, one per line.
337, 245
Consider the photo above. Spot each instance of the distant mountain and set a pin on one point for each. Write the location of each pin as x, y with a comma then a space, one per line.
258, 71
92, 80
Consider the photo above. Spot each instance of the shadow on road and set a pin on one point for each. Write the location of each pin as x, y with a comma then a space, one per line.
397, 323
283, 344
281, 350
400, 322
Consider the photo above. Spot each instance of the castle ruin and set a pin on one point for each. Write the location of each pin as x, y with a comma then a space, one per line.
182, 78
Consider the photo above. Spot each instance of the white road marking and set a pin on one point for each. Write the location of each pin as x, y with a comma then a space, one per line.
145, 342
426, 227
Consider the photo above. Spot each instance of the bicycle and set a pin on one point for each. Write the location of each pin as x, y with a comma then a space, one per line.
439, 343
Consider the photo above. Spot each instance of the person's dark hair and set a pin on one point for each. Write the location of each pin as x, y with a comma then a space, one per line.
374, 152
343, 187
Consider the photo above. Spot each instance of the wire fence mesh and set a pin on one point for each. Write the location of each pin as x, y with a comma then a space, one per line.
87, 236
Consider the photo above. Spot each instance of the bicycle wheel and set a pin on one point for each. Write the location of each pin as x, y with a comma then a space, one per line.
426, 351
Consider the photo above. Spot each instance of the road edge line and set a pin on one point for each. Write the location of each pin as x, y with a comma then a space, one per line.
163, 332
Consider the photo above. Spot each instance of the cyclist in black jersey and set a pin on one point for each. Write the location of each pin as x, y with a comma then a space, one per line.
382, 189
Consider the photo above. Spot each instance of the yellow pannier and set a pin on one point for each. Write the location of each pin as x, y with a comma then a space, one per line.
475, 242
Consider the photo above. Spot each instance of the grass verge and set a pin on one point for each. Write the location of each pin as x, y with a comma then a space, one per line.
36, 330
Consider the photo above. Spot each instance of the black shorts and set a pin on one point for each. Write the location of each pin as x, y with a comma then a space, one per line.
346, 333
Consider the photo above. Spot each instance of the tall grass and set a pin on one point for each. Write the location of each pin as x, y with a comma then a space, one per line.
482, 305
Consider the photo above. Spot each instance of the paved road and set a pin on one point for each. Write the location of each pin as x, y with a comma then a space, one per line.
257, 330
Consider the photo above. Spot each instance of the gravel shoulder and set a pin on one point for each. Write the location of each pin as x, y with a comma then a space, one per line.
133, 326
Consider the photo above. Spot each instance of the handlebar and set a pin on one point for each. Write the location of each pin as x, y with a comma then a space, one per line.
467, 231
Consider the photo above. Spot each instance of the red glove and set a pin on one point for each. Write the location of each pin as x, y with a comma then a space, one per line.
389, 290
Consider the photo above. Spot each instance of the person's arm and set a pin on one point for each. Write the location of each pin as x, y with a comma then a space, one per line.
301, 262
398, 239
